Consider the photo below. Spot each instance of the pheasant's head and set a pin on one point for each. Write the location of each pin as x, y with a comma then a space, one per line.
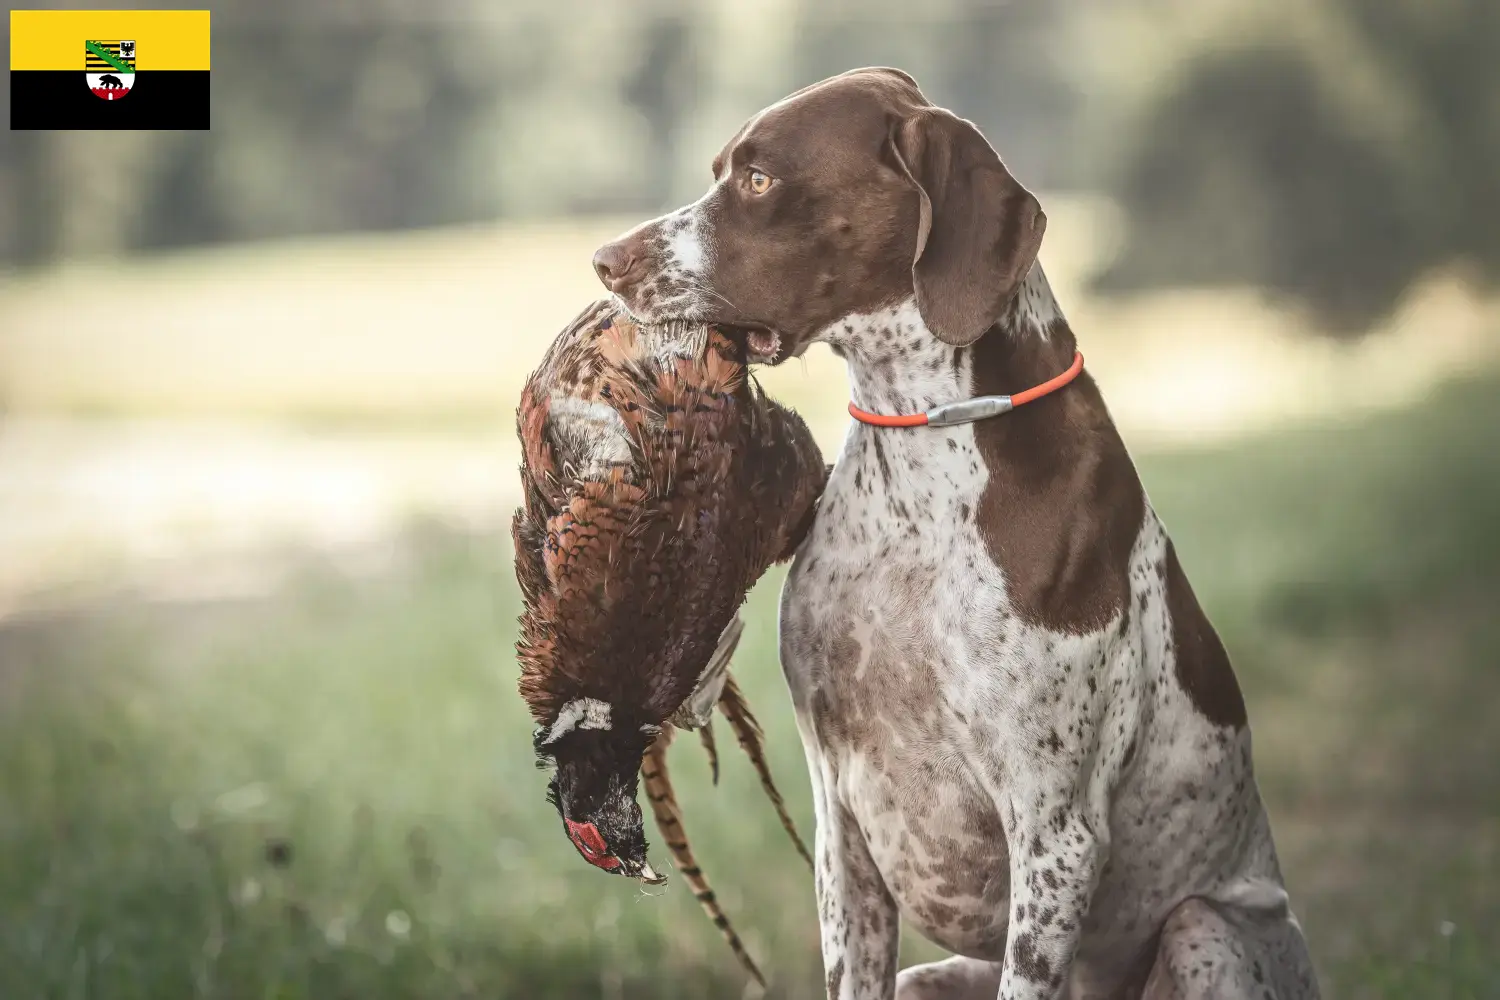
596, 771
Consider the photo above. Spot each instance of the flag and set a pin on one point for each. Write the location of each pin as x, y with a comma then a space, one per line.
109, 69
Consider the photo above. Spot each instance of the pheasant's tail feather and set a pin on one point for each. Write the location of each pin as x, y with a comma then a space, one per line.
747, 730
706, 734
663, 800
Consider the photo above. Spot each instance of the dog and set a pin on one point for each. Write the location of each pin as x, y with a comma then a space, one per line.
1024, 735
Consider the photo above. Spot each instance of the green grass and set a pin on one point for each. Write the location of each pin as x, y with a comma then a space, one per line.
329, 794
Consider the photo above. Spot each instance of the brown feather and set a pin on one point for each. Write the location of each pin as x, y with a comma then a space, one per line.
706, 736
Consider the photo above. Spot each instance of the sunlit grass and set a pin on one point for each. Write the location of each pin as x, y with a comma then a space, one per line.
369, 738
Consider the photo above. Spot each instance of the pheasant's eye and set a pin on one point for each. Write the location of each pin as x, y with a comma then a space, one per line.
760, 182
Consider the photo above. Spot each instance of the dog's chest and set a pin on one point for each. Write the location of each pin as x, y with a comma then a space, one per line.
887, 614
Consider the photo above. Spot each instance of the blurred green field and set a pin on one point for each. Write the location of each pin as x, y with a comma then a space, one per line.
329, 793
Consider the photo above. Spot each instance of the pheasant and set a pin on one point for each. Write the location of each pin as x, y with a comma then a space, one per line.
659, 483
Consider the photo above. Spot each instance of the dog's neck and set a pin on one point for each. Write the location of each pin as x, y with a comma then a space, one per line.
898, 366
1048, 488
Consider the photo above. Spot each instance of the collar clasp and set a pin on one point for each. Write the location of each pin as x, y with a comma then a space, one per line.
968, 410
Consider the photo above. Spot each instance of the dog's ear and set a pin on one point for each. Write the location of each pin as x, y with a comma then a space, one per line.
979, 230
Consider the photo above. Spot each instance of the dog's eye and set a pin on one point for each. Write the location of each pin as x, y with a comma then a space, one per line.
760, 183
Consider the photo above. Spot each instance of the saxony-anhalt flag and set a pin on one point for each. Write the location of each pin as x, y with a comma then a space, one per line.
109, 69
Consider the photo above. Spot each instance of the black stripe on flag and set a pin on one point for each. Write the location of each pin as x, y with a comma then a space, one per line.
168, 99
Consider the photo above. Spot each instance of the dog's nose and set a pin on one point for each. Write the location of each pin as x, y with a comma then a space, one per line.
615, 264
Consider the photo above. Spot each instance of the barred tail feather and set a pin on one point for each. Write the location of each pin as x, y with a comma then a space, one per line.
706, 734
747, 730
663, 800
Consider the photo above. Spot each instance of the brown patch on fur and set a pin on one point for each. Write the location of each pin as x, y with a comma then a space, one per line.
854, 707
835, 979
857, 711
1029, 962
1063, 504
1203, 667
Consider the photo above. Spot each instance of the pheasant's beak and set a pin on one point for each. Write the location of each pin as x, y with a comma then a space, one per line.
649, 876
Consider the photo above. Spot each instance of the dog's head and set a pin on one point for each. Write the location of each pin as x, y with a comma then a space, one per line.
847, 197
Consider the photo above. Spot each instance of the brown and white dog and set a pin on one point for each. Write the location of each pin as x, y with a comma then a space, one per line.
1024, 734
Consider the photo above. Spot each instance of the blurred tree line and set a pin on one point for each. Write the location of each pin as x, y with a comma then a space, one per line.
1329, 150
331, 118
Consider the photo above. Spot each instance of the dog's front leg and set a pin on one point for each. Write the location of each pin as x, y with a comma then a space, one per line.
1057, 850
858, 918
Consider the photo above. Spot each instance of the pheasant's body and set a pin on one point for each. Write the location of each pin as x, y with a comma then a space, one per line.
659, 484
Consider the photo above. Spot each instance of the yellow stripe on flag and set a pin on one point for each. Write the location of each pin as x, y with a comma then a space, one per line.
164, 39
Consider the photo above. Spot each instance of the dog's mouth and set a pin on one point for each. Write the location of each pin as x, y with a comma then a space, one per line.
762, 344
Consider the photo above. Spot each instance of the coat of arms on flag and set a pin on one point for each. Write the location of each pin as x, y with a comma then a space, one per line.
109, 68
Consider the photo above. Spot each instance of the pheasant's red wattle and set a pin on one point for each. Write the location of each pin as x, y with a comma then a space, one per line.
588, 839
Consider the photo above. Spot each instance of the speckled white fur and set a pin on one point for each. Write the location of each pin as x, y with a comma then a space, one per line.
1036, 802
682, 256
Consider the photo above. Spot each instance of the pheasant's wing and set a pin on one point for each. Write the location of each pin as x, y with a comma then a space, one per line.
571, 532
698, 709
539, 486
597, 552
539, 489
787, 474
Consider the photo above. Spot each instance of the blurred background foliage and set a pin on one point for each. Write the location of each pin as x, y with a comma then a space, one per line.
1331, 151
259, 736
498, 111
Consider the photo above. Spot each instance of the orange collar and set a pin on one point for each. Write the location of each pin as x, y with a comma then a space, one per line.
970, 410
